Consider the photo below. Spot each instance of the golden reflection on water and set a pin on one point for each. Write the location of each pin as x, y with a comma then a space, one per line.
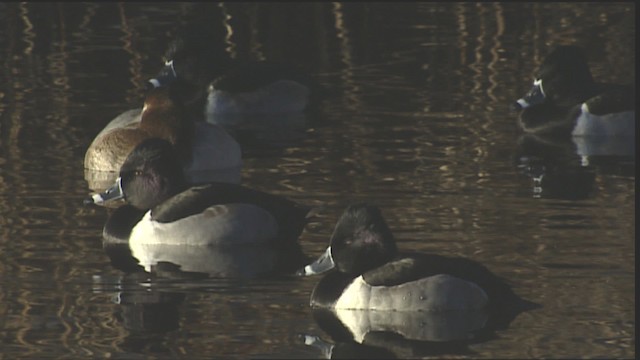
414, 121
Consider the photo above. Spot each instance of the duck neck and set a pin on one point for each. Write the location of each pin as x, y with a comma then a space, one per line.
174, 184
165, 117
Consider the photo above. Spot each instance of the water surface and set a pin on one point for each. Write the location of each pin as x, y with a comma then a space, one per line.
414, 117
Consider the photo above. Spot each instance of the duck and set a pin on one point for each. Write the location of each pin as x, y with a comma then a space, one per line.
162, 208
207, 150
566, 100
368, 273
233, 86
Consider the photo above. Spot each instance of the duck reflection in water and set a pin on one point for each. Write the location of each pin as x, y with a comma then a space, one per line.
142, 308
170, 231
370, 334
421, 303
556, 172
568, 116
200, 262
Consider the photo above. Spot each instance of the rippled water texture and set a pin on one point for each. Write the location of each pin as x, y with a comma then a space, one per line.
414, 117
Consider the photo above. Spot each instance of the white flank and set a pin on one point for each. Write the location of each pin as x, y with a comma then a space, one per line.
230, 224
434, 293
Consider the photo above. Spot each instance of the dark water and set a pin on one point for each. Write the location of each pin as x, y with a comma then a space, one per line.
414, 118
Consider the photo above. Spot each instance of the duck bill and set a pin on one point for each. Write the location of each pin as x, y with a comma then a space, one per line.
322, 264
535, 96
314, 341
166, 76
111, 194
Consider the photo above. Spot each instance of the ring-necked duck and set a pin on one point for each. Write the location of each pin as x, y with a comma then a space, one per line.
565, 100
152, 182
204, 148
233, 86
372, 276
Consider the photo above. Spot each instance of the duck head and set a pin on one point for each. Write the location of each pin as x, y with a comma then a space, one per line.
562, 79
192, 56
360, 242
151, 174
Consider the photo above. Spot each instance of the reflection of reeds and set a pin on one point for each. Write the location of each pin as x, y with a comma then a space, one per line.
28, 29
84, 28
231, 46
429, 171
352, 100
255, 46
129, 40
478, 66
495, 51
